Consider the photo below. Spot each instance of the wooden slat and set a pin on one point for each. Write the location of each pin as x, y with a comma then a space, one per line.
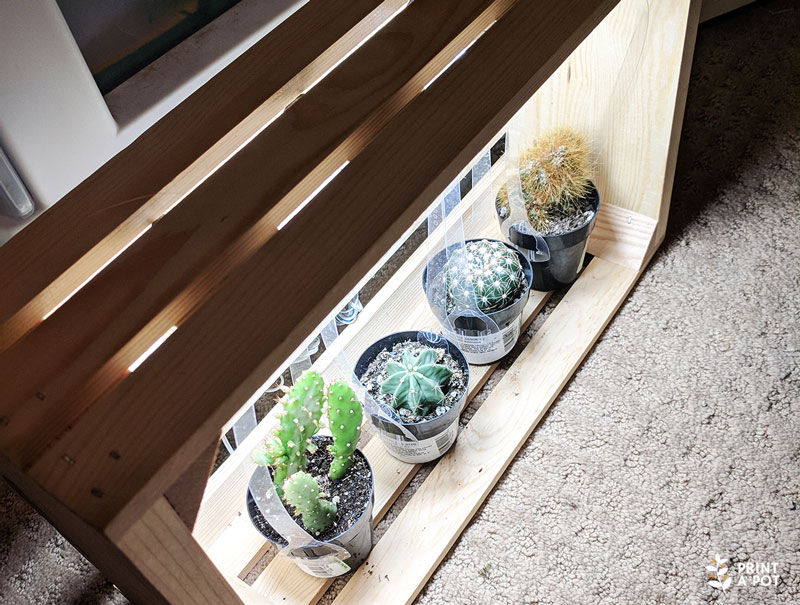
677, 97
186, 494
160, 545
71, 240
247, 594
83, 350
203, 373
444, 504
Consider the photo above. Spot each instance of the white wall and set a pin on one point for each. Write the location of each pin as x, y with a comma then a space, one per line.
56, 126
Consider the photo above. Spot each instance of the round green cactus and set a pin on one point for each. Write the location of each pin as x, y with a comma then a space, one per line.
554, 174
344, 417
297, 423
301, 490
417, 382
485, 272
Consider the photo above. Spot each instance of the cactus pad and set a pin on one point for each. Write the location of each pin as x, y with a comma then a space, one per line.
297, 423
344, 416
301, 490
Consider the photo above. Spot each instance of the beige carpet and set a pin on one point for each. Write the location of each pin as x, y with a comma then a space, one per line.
677, 439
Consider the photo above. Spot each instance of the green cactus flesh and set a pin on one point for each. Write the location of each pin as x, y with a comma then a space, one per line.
487, 273
297, 423
417, 382
344, 416
301, 490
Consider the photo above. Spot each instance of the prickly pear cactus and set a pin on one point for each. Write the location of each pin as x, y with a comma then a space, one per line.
301, 490
485, 272
344, 417
298, 422
417, 382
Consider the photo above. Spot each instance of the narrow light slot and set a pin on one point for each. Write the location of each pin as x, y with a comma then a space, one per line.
356, 47
93, 275
457, 57
281, 112
305, 202
151, 349
223, 162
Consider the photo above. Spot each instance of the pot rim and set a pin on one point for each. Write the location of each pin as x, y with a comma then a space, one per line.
527, 269
367, 508
592, 193
414, 335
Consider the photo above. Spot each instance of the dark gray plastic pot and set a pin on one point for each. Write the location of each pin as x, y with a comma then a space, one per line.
316, 560
431, 438
566, 251
481, 346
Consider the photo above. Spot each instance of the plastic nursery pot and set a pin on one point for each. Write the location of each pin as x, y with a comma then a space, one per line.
325, 560
480, 345
419, 441
566, 251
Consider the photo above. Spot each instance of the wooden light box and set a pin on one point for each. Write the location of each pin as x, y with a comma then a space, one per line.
181, 230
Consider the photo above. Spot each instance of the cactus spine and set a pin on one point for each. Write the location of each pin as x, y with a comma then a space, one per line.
344, 416
417, 382
486, 273
301, 490
554, 173
297, 423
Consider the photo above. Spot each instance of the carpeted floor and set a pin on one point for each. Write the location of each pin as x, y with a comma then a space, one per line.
677, 439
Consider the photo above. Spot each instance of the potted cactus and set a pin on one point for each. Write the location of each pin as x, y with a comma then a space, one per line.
561, 204
324, 483
416, 385
478, 292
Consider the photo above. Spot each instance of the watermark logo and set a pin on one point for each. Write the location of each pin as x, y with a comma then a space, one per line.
751, 573
718, 575
757, 573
